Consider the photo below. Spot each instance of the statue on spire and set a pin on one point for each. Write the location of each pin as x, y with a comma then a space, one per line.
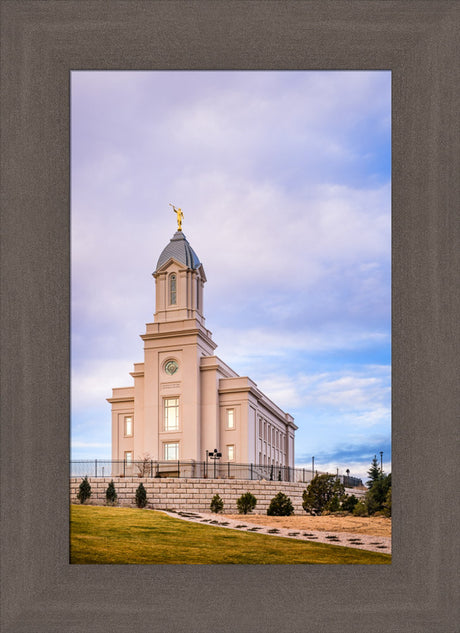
180, 215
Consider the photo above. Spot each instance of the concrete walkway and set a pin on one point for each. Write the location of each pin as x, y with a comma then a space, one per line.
345, 539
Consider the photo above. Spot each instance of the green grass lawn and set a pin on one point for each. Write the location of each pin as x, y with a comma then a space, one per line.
106, 535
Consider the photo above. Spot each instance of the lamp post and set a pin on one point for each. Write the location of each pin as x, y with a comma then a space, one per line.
381, 462
215, 456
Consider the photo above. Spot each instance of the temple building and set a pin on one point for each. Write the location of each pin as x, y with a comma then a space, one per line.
185, 400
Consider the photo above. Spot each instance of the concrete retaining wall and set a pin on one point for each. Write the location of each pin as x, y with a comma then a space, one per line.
190, 494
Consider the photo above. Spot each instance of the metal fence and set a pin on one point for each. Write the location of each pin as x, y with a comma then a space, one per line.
193, 469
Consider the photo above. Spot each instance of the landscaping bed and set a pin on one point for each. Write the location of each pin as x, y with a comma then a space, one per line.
373, 526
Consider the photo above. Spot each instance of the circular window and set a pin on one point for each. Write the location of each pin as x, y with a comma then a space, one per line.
171, 367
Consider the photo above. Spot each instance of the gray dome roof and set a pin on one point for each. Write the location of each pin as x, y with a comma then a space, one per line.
180, 250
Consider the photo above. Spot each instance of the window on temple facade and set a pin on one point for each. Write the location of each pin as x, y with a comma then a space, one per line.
230, 418
172, 289
171, 414
128, 426
171, 450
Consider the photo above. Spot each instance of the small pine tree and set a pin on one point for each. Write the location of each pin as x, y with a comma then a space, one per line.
217, 505
377, 493
141, 496
280, 506
111, 494
374, 473
84, 492
246, 503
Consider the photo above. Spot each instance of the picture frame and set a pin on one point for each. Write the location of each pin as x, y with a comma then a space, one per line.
41, 44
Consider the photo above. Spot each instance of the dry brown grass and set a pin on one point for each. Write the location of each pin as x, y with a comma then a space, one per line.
374, 526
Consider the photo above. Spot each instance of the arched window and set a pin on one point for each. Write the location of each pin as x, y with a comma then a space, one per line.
172, 289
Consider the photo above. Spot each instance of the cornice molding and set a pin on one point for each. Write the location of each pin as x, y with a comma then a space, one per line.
121, 399
151, 336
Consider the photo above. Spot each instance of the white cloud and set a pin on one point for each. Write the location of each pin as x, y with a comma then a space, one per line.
359, 398
92, 382
357, 468
284, 181
288, 237
242, 344
345, 391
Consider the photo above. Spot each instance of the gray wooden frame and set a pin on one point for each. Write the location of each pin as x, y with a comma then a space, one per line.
41, 42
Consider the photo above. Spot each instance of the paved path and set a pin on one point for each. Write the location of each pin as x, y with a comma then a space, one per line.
345, 539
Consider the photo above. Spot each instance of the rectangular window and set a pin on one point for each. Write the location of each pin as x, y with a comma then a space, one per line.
128, 426
172, 289
171, 414
230, 419
231, 452
171, 450
129, 457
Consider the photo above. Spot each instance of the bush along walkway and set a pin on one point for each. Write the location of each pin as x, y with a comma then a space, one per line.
359, 541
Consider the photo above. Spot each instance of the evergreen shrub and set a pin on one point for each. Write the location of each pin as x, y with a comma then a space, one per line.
377, 494
141, 496
111, 494
217, 505
280, 506
323, 493
84, 491
349, 503
246, 503
387, 504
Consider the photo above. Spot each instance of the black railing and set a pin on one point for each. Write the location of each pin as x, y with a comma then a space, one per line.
196, 470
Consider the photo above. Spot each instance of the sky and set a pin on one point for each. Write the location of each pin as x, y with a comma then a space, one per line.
284, 179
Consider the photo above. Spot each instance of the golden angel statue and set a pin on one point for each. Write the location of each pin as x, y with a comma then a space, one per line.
180, 215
